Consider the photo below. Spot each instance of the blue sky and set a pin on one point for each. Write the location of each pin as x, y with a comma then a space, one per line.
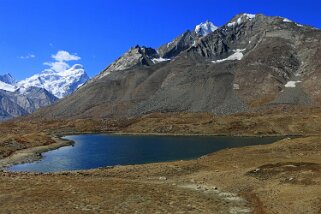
99, 31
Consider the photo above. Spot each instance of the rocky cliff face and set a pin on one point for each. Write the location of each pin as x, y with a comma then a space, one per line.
136, 56
252, 62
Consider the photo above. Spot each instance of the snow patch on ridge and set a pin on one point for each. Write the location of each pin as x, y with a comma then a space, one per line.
158, 60
241, 19
238, 55
7, 87
291, 84
249, 16
287, 20
290, 21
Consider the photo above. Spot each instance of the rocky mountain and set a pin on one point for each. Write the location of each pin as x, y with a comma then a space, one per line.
136, 56
14, 104
146, 56
252, 62
186, 40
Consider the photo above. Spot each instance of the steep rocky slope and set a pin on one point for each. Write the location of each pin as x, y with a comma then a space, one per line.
252, 62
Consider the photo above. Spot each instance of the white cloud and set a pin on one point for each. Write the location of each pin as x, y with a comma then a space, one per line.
28, 56
57, 66
61, 56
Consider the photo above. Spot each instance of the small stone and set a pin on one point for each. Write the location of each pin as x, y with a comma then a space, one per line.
256, 170
162, 178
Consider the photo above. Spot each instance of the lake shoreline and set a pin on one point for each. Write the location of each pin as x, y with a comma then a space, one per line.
32, 154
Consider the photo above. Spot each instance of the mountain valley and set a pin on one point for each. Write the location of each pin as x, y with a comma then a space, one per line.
256, 76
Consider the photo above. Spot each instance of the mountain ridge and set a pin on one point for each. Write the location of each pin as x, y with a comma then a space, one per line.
242, 66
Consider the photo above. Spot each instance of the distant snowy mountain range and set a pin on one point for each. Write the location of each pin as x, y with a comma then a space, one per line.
43, 89
59, 84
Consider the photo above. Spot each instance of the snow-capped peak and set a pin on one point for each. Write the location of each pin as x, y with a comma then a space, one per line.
60, 84
205, 28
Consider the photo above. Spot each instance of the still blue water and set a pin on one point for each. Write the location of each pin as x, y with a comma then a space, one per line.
93, 151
